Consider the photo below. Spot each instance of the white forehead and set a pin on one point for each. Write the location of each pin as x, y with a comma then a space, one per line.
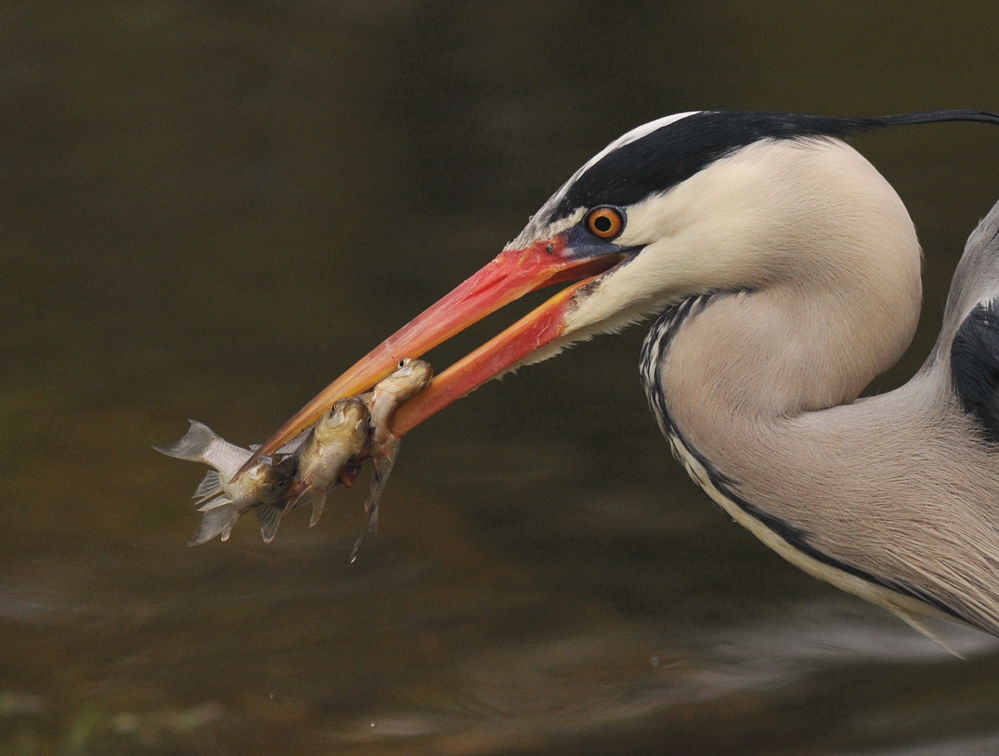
535, 225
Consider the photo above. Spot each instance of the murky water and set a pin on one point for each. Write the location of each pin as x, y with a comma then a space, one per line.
209, 209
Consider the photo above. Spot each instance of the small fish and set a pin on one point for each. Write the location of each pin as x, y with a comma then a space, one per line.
409, 379
340, 435
222, 500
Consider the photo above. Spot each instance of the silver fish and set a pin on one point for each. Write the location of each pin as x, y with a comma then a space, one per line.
340, 435
222, 500
409, 379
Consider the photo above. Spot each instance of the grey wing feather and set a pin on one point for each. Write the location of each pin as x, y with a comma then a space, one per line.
976, 279
966, 356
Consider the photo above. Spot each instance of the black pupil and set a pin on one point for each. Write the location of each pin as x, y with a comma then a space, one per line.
602, 224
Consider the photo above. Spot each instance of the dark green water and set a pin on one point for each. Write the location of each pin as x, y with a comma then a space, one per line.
210, 209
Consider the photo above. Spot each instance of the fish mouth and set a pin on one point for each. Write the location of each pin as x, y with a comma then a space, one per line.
508, 277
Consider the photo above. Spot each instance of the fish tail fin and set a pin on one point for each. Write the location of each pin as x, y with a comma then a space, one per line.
210, 485
318, 504
269, 518
216, 521
192, 445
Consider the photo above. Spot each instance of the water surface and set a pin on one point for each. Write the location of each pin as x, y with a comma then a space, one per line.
209, 209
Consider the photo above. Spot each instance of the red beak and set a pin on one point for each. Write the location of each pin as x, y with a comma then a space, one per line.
511, 275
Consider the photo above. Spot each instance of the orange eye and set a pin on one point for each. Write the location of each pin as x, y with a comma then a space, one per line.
605, 222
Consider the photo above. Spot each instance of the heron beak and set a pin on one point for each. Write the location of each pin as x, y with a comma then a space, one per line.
511, 275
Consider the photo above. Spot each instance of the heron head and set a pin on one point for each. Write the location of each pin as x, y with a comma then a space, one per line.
690, 203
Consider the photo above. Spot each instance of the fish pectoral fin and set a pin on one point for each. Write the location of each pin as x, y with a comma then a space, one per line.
382, 465
269, 518
381, 469
217, 521
318, 504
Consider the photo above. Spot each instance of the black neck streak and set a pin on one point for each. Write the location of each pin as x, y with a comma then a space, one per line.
654, 350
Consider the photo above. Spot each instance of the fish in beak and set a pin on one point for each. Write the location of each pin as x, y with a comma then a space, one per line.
511, 275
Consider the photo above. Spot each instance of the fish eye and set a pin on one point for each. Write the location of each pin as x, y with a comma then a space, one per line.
605, 222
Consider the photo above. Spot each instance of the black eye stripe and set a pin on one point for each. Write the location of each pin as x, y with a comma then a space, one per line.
673, 153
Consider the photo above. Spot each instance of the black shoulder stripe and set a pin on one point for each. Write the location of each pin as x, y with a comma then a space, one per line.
974, 364
673, 153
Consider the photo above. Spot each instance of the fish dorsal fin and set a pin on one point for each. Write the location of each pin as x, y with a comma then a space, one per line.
210, 485
292, 446
269, 518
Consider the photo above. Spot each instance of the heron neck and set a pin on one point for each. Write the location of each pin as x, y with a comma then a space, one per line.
756, 393
787, 349
734, 368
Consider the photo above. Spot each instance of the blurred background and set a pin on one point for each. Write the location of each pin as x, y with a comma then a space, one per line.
211, 209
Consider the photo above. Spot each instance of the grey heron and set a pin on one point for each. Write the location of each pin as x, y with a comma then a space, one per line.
784, 275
